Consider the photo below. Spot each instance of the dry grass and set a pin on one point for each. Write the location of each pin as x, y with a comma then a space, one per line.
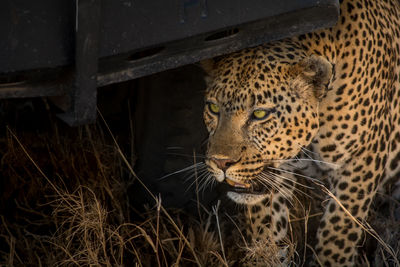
65, 202
80, 214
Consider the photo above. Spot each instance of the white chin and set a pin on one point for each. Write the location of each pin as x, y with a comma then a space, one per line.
248, 199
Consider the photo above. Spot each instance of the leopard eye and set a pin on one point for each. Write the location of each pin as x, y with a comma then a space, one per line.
261, 114
214, 108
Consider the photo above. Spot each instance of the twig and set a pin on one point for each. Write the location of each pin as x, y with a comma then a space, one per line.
305, 234
158, 229
197, 185
215, 211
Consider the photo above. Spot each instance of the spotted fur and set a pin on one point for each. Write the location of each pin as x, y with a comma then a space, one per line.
334, 92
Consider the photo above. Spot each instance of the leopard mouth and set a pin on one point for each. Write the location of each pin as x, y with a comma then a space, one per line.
254, 188
236, 184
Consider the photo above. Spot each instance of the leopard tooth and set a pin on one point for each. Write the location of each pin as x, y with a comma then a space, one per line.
235, 184
240, 185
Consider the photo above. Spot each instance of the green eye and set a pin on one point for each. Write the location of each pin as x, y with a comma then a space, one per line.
260, 114
214, 108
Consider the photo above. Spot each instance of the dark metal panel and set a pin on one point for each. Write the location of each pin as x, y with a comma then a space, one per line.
130, 25
172, 55
83, 96
33, 89
36, 34
40, 34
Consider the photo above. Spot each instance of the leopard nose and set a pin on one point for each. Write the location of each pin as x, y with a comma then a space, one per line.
224, 164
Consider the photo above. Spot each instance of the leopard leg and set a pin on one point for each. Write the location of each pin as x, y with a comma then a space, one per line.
268, 219
354, 187
267, 227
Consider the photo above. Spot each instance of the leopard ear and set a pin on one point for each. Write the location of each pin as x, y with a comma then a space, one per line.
313, 71
208, 65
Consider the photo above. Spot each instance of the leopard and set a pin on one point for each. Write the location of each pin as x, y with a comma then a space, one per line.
324, 104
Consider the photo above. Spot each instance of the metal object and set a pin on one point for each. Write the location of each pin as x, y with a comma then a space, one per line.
127, 39
83, 96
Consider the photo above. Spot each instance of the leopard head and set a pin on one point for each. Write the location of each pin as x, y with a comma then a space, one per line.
261, 108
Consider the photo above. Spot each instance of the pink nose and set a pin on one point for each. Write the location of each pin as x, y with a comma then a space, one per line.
223, 164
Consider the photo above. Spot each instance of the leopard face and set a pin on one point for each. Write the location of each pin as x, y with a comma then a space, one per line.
259, 116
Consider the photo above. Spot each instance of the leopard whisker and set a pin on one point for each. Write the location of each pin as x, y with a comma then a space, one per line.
288, 194
198, 165
208, 181
288, 179
211, 182
288, 186
291, 186
302, 159
267, 181
199, 178
186, 155
202, 182
180, 148
197, 172
306, 151
296, 174
205, 141
197, 181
